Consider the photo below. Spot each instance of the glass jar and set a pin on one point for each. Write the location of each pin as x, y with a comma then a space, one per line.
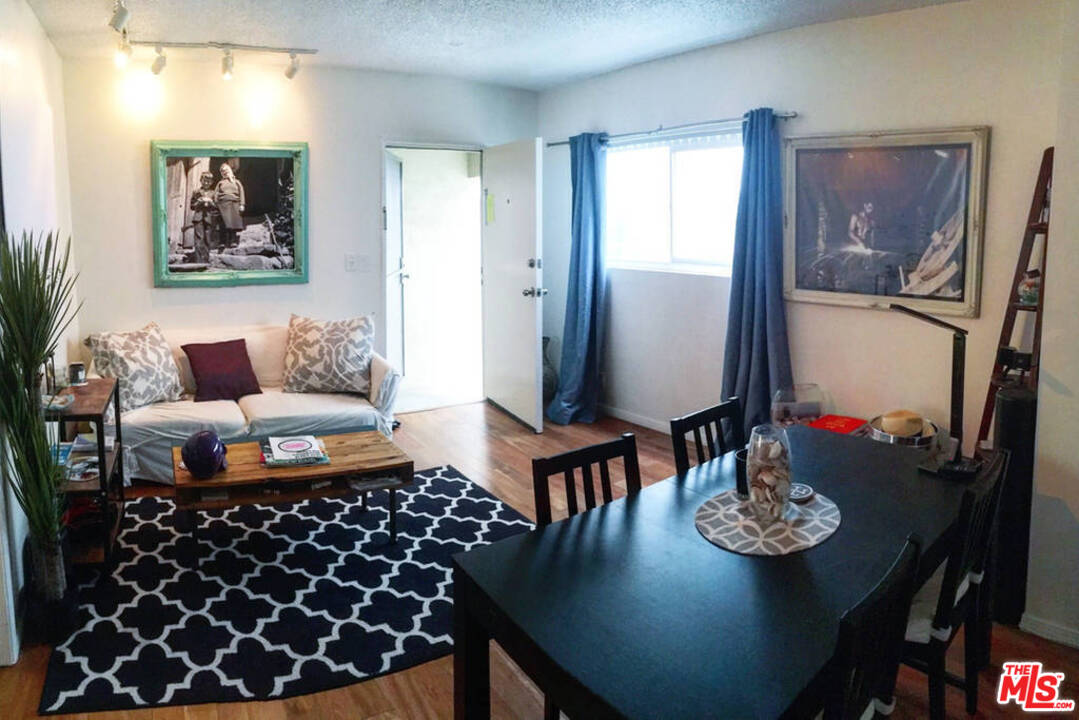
799, 404
768, 470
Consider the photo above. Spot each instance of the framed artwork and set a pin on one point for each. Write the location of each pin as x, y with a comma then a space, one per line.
886, 217
229, 214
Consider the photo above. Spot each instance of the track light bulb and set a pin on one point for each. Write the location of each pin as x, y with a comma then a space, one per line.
123, 51
293, 66
226, 65
120, 15
159, 61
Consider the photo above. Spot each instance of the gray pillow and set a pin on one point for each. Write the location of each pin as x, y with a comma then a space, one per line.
329, 356
143, 363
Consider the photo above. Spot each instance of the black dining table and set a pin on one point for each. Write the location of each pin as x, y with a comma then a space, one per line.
627, 611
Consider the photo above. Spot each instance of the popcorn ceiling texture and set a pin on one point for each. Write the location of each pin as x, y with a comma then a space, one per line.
527, 44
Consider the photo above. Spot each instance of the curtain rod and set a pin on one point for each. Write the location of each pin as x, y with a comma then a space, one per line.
673, 128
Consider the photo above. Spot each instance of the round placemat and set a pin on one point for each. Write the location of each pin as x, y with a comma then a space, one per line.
727, 521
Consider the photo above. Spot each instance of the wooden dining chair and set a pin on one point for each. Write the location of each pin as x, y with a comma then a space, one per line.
715, 439
870, 643
953, 595
568, 463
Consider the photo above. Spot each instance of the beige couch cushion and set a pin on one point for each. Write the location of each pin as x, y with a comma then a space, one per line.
151, 431
265, 347
275, 412
180, 419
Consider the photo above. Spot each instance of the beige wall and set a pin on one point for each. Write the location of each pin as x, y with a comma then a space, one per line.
33, 161
345, 115
984, 62
1053, 591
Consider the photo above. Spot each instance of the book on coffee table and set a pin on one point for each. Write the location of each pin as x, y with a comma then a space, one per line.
293, 451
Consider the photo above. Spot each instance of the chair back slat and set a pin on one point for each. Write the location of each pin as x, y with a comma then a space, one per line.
713, 450
870, 641
571, 492
973, 533
566, 463
698, 445
715, 441
605, 481
589, 487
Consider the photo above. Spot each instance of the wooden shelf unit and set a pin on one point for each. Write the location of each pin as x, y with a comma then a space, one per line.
91, 405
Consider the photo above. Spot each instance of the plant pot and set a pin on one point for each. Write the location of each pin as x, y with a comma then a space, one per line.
550, 376
52, 606
47, 569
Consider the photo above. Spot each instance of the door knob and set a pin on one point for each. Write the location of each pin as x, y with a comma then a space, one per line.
529, 292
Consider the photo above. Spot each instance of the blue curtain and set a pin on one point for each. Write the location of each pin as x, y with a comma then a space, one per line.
757, 358
582, 335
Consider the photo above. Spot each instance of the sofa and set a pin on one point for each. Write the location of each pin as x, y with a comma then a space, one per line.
150, 432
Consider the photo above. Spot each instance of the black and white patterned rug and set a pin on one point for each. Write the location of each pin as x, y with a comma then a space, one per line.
288, 599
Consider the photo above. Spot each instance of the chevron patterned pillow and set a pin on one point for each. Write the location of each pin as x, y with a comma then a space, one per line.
329, 356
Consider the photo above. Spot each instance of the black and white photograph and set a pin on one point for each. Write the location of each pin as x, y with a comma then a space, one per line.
887, 219
230, 217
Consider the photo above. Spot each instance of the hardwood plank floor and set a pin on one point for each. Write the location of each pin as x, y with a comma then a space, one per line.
496, 452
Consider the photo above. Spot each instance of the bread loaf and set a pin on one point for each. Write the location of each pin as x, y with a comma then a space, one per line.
903, 423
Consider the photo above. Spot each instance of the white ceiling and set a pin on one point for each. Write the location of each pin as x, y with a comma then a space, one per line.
524, 43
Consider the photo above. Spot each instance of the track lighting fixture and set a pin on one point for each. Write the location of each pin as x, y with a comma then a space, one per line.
293, 66
159, 61
120, 15
123, 51
226, 65
119, 21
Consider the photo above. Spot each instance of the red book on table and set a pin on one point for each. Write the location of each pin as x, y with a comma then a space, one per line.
838, 424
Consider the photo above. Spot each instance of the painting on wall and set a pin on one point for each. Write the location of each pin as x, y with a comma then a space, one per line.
229, 213
886, 217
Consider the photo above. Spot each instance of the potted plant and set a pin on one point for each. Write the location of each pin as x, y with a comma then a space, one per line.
36, 307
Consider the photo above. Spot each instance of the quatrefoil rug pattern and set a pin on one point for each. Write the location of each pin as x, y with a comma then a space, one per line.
287, 599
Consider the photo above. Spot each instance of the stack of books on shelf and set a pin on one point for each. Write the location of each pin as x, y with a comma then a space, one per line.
80, 456
293, 451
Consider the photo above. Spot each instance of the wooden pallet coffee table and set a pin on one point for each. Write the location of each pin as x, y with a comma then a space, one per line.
360, 462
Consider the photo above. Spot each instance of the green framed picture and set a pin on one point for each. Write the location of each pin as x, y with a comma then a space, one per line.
229, 213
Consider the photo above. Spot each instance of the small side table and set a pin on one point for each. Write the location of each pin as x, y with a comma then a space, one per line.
91, 405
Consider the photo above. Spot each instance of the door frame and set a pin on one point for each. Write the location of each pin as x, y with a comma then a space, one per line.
388, 144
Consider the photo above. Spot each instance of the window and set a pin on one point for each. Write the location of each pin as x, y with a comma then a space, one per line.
672, 204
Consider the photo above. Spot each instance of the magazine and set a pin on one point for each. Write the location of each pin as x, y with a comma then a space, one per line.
82, 468
87, 442
292, 451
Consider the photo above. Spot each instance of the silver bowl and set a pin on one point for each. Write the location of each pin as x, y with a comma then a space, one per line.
922, 440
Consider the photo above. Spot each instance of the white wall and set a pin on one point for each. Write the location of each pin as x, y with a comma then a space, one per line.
33, 163
985, 62
345, 115
1053, 590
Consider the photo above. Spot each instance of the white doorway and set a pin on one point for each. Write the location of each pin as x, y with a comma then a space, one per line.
434, 311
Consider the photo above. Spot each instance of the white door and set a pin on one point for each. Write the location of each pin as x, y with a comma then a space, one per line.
395, 265
513, 279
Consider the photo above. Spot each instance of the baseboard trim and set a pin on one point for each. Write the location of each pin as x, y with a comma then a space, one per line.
1050, 630
662, 426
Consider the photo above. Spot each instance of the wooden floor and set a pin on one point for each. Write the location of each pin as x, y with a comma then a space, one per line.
495, 452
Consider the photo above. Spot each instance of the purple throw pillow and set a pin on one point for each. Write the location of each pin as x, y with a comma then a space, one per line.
222, 370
